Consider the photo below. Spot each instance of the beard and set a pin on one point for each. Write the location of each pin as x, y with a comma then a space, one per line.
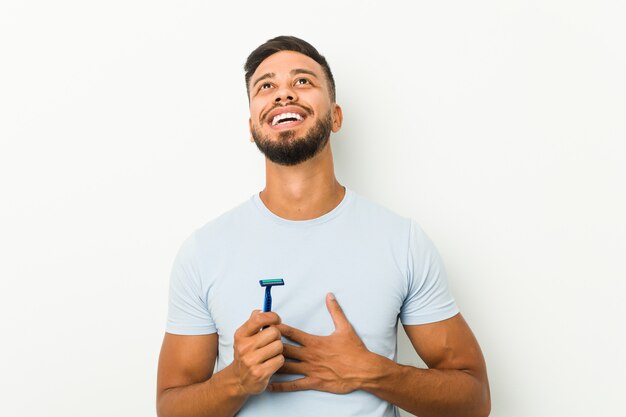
289, 150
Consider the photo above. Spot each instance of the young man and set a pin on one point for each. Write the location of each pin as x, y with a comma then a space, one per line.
351, 268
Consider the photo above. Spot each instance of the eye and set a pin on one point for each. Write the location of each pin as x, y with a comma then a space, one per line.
265, 86
302, 81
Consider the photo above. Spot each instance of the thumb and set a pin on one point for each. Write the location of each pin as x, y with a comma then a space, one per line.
336, 313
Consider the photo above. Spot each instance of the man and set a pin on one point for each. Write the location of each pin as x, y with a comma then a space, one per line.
351, 268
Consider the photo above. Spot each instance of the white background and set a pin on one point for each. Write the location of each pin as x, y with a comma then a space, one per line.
497, 125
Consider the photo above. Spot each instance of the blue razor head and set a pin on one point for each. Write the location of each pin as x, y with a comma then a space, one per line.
271, 282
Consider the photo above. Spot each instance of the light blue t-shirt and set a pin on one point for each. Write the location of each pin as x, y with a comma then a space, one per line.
379, 265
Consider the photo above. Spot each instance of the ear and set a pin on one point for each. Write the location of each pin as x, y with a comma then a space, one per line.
250, 128
337, 118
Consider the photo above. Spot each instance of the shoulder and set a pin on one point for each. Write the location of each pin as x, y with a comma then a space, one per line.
233, 218
377, 217
214, 233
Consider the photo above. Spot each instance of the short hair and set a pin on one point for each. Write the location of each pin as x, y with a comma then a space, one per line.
286, 43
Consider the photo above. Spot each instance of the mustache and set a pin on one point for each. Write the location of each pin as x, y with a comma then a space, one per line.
306, 109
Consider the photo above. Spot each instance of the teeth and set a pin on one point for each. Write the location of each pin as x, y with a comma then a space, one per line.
278, 118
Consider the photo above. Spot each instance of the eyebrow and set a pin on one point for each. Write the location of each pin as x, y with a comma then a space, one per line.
302, 71
292, 72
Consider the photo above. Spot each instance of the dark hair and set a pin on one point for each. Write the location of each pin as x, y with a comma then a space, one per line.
286, 43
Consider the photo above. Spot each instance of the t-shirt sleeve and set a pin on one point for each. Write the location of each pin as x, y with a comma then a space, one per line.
187, 312
428, 298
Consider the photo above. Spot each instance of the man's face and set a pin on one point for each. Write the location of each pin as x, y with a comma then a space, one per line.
291, 111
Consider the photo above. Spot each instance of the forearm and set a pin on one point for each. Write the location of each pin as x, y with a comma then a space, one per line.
428, 392
219, 396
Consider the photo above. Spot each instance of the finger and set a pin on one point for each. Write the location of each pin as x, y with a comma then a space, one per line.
295, 385
294, 334
298, 368
267, 352
293, 352
270, 366
336, 313
265, 337
256, 321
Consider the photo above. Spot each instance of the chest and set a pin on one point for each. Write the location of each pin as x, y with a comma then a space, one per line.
366, 279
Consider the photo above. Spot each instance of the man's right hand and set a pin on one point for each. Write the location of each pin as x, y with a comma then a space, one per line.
186, 385
258, 354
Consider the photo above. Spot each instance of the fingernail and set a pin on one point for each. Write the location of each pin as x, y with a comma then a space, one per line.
331, 296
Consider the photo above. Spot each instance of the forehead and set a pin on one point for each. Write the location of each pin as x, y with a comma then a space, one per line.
285, 61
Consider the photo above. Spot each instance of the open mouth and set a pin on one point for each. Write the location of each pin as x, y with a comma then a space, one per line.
280, 119
286, 117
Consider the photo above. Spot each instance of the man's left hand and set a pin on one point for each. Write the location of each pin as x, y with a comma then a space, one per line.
338, 363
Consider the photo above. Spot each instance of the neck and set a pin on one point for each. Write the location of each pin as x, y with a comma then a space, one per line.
304, 191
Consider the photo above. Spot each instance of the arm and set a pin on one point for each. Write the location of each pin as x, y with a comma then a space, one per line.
186, 385
456, 383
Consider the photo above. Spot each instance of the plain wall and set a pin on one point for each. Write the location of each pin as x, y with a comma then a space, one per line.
497, 125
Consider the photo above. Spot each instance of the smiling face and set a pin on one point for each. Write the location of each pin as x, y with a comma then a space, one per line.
291, 110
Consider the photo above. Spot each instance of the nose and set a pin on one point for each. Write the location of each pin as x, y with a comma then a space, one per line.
285, 94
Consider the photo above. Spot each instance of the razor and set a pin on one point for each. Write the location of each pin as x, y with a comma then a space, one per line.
268, 284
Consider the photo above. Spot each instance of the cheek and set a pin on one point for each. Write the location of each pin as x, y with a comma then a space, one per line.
318, 101
256, 111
